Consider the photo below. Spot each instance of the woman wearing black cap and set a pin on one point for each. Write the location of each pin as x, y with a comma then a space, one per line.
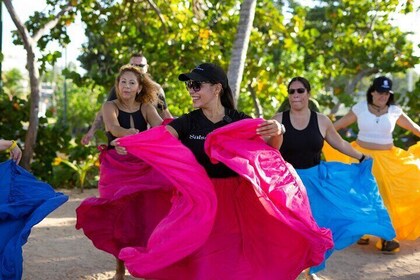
211, 93
234, 249
396, 171
245, 216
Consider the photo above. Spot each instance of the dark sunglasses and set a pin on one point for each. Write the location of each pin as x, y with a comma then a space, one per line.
299, 90
194, 85
139, 65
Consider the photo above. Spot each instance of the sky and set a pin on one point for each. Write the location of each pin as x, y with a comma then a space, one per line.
15, 56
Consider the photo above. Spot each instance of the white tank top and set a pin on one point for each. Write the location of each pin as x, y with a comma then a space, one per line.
375, 129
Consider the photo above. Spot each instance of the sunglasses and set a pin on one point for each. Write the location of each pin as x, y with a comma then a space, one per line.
139, 65
298, 90
194, 85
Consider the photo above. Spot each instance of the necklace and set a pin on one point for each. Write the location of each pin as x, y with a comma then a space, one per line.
378, 111
377, 108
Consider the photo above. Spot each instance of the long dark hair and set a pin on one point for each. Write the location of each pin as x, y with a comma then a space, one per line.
369, 97
304, 82
226, 97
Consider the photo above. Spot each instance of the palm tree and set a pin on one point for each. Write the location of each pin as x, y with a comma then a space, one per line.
240, 46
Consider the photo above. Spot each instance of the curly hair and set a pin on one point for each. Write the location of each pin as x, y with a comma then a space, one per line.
149, 91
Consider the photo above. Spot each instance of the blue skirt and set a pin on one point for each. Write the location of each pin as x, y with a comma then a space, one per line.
345, 198
24, 202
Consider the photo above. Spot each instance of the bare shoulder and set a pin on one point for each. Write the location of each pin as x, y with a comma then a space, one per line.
147, 107
278, 117
110, 106
323, 122
323, 118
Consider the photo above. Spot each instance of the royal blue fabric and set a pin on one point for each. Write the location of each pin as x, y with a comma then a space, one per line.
345, 198
24, 202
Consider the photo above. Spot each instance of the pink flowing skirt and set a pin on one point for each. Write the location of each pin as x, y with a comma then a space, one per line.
183, 225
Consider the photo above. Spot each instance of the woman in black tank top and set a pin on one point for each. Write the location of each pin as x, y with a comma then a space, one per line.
306, 129
130, 113
302, 145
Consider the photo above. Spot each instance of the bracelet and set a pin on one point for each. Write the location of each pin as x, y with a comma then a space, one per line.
362, 158
14, 145
282, 129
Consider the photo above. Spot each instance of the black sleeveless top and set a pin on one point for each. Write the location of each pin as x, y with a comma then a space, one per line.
124, 121
302, 148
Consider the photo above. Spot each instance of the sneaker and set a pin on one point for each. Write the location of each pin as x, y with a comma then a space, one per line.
390, 246
363, 241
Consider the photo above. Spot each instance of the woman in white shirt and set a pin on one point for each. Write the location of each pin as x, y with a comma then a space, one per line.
397, 171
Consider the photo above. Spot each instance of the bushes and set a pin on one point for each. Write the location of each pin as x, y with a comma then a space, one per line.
53, 139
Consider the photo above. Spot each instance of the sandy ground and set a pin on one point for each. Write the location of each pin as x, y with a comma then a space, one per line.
57, 251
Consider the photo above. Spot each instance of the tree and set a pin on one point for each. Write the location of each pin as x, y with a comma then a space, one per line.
347, 41
30, 42
316, 43
190, 35
240, 46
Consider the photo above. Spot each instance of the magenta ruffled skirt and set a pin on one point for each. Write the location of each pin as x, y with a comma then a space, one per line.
166, 219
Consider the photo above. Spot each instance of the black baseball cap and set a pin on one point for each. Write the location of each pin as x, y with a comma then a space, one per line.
206, 72
382, 84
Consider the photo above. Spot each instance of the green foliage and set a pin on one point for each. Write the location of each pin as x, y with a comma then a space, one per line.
54, 135
344, 38
73, 110
173, 44
410, 104
51, 138
12, 83
331, 44
58, 34
82, 164
11, 126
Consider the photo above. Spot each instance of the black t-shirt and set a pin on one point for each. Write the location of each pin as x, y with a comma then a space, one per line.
192, 129
302, 148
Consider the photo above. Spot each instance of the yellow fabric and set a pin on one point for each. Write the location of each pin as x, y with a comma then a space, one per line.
415, 149
397, 173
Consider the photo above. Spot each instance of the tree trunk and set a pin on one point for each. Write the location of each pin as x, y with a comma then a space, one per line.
257, 105
240, 47
32, 132
30, 44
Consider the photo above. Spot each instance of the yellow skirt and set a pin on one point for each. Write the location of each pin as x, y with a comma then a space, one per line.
415, 149
397, 173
